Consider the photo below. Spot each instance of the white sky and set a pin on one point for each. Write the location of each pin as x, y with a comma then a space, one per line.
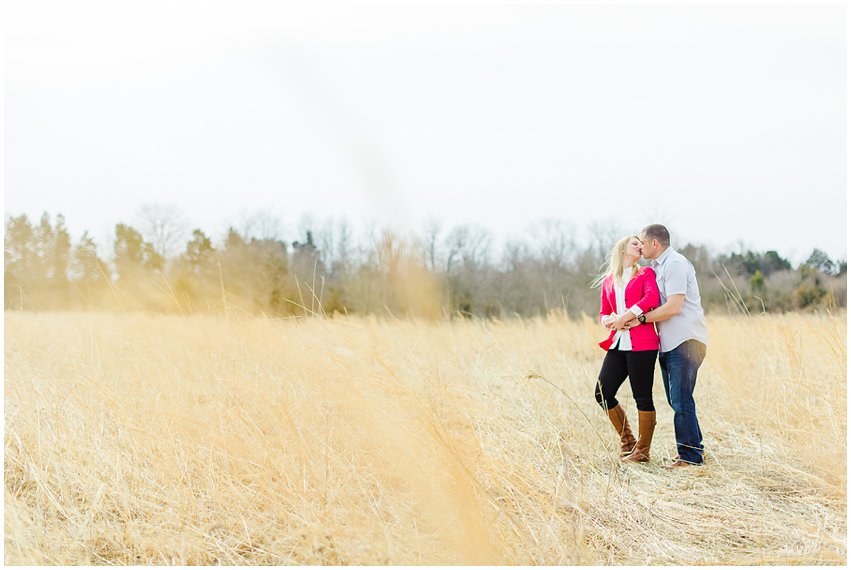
726, 123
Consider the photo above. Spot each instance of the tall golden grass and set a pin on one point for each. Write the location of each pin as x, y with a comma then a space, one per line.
140, 439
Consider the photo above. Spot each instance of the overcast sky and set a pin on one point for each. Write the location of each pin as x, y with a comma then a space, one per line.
726, 123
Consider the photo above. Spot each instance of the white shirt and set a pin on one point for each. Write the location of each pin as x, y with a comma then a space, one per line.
675, 275
623, 341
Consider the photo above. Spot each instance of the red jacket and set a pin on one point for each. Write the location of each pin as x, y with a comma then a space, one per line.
642, 291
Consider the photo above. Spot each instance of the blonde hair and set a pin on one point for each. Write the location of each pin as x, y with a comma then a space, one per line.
614, 261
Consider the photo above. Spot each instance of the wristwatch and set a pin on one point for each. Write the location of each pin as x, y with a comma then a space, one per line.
642, 319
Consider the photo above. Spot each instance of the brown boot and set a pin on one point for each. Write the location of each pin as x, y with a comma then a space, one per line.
646, 426
618, 419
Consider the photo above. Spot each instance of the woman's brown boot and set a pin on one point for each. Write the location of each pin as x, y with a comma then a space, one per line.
646, 426
618, 419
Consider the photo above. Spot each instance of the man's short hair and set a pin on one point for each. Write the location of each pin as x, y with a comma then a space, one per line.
658, 232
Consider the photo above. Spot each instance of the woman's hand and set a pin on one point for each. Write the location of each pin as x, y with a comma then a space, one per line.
609, 321
623, 321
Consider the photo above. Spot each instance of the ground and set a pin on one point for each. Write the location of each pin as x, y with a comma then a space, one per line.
145, 439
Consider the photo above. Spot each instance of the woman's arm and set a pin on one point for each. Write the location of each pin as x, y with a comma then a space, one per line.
650, 290
605, 304
649, 299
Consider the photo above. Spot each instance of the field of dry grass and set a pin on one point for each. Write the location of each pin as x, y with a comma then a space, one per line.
138, 439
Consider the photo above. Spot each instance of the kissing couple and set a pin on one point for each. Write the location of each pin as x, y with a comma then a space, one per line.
649, 312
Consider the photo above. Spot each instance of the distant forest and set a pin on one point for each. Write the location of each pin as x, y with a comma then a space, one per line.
159, 266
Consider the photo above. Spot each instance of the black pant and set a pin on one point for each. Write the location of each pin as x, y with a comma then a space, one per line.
618, 364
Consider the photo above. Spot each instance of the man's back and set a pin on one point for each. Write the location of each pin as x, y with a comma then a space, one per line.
675, 275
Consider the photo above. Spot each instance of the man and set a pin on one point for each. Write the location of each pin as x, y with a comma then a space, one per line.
682, 336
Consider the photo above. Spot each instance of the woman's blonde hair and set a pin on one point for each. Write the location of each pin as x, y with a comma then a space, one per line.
614, 262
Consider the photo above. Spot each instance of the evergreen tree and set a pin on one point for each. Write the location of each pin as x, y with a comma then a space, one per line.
820, 261
61, 252
45, 239
199, 253
18, 260
133, 255
87, 268
19, 250
88, 272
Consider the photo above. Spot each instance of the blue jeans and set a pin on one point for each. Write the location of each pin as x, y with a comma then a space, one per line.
679, 375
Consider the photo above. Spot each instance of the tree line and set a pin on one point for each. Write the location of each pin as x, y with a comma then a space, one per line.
435, 272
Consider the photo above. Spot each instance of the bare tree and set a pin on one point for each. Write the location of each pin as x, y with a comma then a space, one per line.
261, 224
390, 250
163, 226
429, 243
454, 243
604, 235
555, 241
333, 239
470, 245
477, 252
306, 223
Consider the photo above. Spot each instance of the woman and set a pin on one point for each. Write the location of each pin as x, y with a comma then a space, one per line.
631, 351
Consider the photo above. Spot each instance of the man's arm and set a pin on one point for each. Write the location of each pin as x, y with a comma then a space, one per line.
649, 299
630, 315
673, 306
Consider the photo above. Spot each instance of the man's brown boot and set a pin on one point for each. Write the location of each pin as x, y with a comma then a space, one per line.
646, 426
618, 419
